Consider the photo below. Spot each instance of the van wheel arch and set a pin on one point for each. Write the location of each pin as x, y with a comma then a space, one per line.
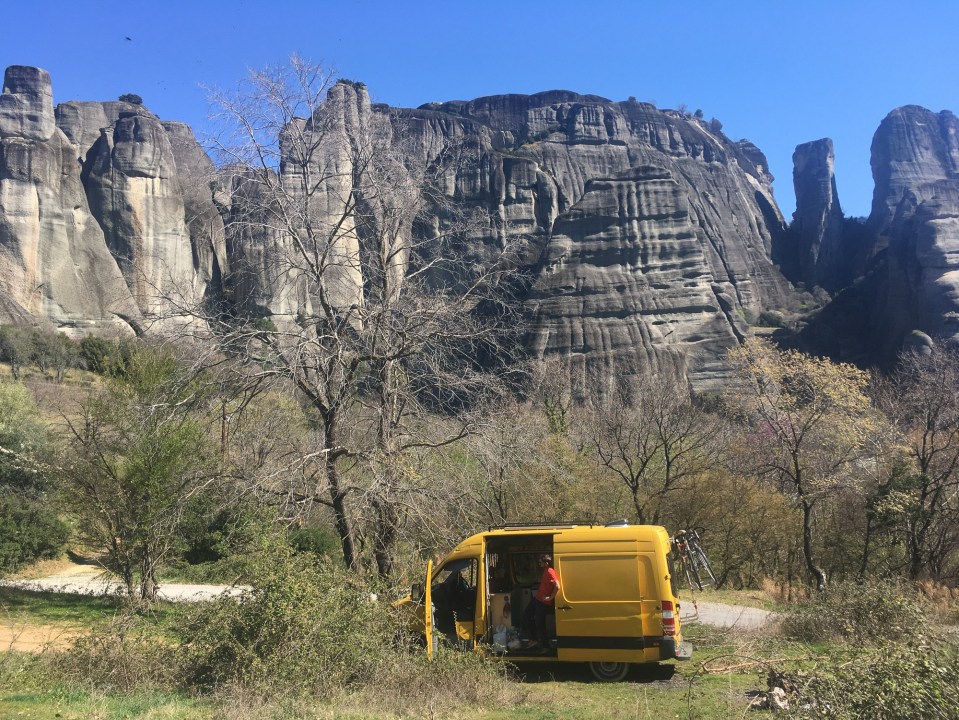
609, 671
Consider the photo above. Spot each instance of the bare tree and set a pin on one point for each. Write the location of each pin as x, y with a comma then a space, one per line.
352, 288
922, 398
651, 435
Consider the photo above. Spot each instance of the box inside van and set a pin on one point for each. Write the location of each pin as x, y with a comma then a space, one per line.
616, 605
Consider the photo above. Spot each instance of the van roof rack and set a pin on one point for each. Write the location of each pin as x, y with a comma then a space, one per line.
545, 524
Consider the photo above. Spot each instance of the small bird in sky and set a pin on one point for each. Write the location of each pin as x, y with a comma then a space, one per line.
128, 38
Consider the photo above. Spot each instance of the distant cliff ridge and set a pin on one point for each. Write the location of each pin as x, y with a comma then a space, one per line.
647, 238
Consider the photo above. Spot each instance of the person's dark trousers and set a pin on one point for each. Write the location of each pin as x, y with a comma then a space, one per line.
534, 620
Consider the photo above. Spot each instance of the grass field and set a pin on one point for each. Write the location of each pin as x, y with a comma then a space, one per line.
30, 686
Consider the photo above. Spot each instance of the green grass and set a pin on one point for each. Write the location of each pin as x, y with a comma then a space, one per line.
20, 607
547, 692
48, 608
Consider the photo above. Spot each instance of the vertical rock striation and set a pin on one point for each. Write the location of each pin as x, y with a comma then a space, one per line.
55, 264
136, 197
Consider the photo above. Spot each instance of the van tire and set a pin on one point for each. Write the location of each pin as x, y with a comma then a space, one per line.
609, 671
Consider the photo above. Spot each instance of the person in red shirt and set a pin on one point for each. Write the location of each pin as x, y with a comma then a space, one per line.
534, 619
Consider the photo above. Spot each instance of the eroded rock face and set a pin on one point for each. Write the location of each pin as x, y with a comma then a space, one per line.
910, 283
647, 234
644, 236
26, 105
54, 264
915, 220
196, 174
626, 285
135, 194
816, 254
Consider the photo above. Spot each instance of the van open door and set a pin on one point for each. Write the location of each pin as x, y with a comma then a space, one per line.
428, 610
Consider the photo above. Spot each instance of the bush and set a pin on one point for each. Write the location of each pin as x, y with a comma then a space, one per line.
131, 98
866, 614
29, 531
122, 656
771, 318
310, 628
303, 626
904, 681
318, 541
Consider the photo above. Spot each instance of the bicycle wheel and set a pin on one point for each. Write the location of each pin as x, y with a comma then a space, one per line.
704, 561
689, 577
694, 571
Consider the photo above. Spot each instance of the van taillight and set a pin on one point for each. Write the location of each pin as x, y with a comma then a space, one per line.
669, 619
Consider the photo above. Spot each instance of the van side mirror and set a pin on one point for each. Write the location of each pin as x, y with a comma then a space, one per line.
417, 593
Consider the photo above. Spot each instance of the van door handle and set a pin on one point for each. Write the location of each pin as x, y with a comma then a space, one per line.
564, 607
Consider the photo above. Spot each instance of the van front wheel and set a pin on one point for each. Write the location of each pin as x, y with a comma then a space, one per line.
609, 671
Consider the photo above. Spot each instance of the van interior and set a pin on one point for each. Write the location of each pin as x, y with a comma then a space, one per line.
513, 580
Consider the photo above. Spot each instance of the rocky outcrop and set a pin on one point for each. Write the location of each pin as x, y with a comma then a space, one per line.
815, 254
641, 238
26, 105
915, 223
135, 195
54, 263
626, 285
647, 234
911, 281
197, 179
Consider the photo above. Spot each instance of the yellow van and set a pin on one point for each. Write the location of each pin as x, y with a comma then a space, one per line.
617, 602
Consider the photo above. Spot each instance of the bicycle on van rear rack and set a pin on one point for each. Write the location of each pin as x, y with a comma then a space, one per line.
692, 558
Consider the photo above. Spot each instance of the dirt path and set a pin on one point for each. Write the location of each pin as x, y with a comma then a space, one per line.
36, 638
92, 580
724, 615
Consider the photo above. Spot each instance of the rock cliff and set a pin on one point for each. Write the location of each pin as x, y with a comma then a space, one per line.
908, 277
54, 262
641, 238
646, 234
815, 254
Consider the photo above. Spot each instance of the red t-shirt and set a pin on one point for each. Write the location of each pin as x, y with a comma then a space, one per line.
547, 587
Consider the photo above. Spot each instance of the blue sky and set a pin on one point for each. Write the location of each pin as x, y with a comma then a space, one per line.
778, 72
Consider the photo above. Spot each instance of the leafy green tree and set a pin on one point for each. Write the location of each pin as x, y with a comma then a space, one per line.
29, 526
14, 348
53, 351
131, 98
138, 455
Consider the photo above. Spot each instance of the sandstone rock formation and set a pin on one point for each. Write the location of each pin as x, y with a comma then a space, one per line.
54, 263
910, 281
816, 254
136, 197
647, 234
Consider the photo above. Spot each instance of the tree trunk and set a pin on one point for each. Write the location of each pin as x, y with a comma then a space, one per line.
815, 571
148, 584
341, 516
864, 563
